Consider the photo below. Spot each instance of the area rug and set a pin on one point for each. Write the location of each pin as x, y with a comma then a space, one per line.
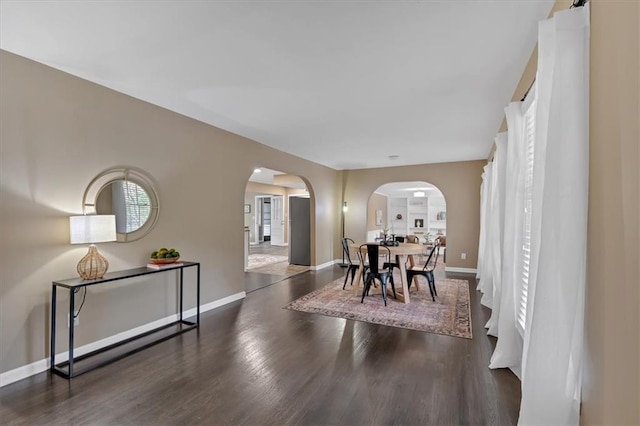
448, 315
259, 260
281, 269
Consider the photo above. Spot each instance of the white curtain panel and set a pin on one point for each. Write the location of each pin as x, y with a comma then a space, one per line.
483, 232
486, 282
497, 227
508, 351
484, 206
553, 340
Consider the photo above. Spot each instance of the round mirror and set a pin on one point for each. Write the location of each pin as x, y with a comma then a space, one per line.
128, 194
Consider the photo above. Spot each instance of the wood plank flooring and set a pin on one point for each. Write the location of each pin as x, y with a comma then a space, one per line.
254, 363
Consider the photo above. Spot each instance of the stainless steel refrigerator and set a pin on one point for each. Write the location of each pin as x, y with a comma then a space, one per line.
299, 231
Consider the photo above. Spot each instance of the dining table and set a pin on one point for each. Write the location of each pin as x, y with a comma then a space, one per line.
403, 252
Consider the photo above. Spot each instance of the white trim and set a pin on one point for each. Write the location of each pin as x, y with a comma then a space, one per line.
23, 372
460, 270
36, 367
326, 265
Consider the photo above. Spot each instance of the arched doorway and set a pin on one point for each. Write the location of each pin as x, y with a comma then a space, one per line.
277, 217
407, 208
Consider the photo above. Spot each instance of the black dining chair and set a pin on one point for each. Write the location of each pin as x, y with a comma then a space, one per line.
395, 264
352, 267
375, 272
426, 271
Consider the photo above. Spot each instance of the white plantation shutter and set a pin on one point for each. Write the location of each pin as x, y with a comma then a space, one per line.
530, 124
133, 205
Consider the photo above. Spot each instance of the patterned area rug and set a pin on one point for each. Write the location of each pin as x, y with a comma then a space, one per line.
448, 315
259, 260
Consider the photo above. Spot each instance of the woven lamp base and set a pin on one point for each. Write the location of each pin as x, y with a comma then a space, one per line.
93, 265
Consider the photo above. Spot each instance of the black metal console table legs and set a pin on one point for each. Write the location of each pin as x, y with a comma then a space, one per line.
67, 369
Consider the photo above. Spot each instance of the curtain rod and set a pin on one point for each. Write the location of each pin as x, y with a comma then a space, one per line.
576, 3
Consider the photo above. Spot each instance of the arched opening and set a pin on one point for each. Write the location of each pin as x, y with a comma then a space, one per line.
277, 221
406, 209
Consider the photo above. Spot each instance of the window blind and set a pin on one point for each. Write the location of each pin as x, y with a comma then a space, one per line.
137, 204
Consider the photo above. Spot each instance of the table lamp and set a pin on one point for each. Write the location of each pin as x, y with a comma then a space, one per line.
91, 229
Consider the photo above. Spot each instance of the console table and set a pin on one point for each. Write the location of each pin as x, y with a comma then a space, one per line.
66, 368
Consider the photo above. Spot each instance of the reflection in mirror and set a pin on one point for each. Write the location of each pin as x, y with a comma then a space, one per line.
128, 201
128, 194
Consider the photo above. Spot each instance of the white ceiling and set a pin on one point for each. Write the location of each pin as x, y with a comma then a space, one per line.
267, 176
342, 83
264, 175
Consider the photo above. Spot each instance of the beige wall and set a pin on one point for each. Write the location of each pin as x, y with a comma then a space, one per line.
376, 202
612, 373
57, 133
460, 185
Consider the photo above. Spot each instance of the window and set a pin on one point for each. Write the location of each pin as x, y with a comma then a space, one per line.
137, 205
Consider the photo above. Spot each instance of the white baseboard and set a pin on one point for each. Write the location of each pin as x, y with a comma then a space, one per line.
325, 265
460, 270
25, 371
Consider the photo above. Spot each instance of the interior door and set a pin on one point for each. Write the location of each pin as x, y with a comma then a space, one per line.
277, 220
266, 218
299, 231
258, 235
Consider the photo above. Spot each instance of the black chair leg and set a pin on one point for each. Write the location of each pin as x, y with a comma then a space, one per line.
432, 283
353, 273
432, 286
365, 290
346, 277
393, 287
383, 284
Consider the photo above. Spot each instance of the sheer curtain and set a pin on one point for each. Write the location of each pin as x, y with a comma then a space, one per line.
496, 228
554, 332
483, 232
508, 351
485, 284
534, 224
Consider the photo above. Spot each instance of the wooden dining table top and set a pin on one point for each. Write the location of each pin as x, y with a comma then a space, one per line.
399, 250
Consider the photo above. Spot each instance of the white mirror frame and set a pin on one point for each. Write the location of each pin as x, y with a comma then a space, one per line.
132, 174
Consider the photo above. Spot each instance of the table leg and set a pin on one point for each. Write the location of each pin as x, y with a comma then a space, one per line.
198, 296
181, 296
357, 279
72, 311
403, 278
53, 328
415, 278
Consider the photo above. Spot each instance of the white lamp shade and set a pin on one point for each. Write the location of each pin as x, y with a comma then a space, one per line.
92, 229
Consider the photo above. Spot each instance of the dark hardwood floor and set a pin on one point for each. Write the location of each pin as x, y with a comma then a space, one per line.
254, 363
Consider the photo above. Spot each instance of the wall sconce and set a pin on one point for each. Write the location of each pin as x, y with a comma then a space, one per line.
91, 229
344, 212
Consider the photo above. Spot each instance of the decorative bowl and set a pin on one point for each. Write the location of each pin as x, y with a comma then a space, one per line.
164, 260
